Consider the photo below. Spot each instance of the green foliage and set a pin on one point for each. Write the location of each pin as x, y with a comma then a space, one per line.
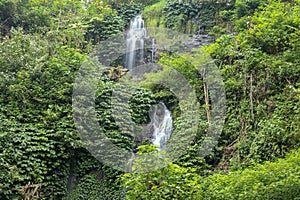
186, 65
141, 2
33, 155
183, 65
39, 142
96, 187
261, 76
188, 16
140, 104
36, 98
137, 105
278, 33
45, 42
36, 80
127, 11
278, 180
279, 133
169, 182
246, 7
177, 15
101, 28
20, 14
154, 16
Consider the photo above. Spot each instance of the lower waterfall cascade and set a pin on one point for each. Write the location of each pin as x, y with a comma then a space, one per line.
161, 120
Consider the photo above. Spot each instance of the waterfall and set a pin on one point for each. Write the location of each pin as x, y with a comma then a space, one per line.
162, 123
161, 119
135, 43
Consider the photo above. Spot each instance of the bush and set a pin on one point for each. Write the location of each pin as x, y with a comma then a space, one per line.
277, 180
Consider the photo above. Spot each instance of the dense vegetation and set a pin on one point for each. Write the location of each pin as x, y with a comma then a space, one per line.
277, 180
256, 48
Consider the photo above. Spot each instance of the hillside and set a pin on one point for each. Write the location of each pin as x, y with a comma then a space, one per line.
222, 76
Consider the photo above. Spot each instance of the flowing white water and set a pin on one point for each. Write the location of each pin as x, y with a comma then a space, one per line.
162, 122
161, 119
135, 43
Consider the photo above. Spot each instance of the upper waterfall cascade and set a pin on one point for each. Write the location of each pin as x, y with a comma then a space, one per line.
135, 43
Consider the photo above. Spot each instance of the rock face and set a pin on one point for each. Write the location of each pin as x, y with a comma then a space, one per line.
198, 40
186, 45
